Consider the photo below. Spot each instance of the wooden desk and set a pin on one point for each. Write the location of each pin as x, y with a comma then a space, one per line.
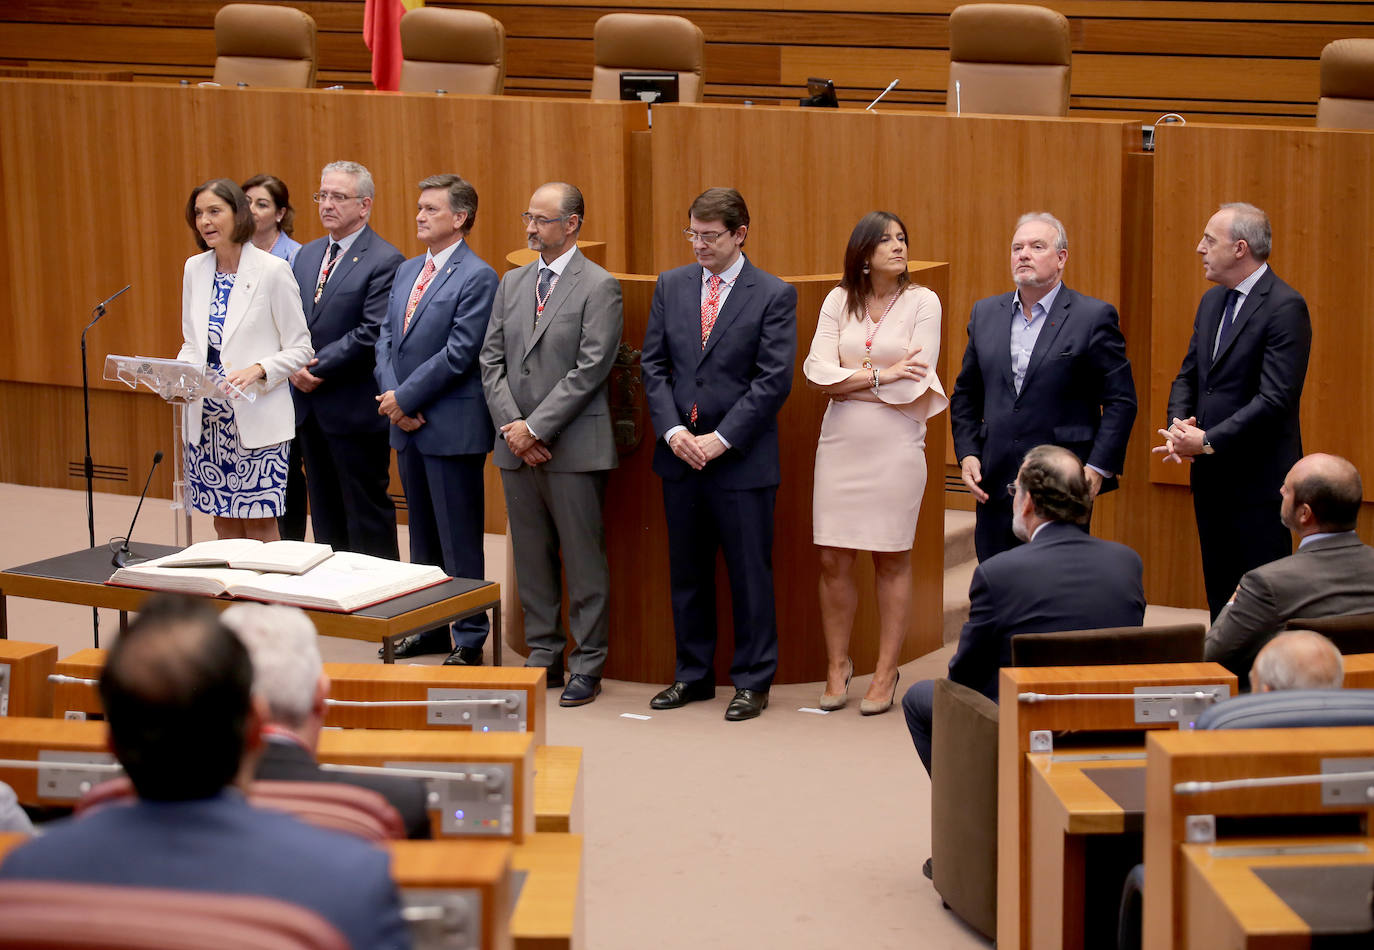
1182, 757
1359, 670
420, 748
1067, 809
480, 868
549, 913
79, 578
24, 686
1020, 919
558, 788
1230, 907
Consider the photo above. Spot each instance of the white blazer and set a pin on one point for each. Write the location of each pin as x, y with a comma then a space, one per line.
264, 325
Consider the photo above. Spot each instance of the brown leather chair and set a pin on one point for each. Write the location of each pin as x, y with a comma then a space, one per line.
334, 805
648, 41
1347, 85
263, 45
54, 915
1009, 59
1111, 646
458, 51
1352, 633
963, 754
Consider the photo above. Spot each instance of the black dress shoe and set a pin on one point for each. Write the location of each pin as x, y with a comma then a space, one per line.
553, 675
465, 656
928, 869
581, 690
419, 644
747, 704
680, 694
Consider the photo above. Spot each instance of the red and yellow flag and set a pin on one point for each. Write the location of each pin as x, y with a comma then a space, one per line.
382, 34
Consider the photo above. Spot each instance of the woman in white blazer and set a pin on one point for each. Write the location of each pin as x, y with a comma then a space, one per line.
241, 315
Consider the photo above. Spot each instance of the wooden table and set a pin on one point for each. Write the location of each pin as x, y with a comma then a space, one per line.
79, 578
24, 686
480, 867
1230, 906
549, 912
1068, 812
558, 788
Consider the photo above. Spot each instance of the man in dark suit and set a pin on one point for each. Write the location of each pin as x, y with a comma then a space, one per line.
717, 366
1331, 573
176, 691
1062, 578
344, 280
289, 677
555, 328
1044, 365
432, 393
1234, 403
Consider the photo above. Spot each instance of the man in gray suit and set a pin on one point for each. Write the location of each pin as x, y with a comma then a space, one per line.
1331, 573
555, 327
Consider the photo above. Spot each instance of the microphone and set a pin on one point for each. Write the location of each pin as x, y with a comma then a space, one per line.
100, 307
890, 86
958, 105
124, 557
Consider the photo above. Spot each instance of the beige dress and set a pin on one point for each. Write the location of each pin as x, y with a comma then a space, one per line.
871, 461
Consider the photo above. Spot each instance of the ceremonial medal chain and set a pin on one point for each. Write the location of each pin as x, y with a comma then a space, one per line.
873, 328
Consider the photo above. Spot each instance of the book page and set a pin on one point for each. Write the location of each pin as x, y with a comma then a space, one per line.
209, 553
346, 581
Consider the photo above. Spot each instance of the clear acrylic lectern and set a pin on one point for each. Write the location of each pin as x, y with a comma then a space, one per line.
177, 383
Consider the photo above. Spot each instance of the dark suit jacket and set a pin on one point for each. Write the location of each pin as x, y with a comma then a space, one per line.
1077, 393
222, 844
289, 762
1247, 398
433, 366
1065, 579
1326, 578
739, 380
343, 329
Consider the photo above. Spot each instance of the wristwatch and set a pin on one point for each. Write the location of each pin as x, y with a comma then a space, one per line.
1207, 448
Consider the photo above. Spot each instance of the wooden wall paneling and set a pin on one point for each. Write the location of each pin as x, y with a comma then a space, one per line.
1314, 184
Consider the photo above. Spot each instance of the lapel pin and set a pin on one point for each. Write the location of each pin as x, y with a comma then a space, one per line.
355, 259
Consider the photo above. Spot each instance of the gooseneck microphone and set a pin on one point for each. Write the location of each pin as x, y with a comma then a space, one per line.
890, 86
124, 557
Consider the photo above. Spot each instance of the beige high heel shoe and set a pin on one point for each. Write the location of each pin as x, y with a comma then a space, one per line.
872, 707
831, 703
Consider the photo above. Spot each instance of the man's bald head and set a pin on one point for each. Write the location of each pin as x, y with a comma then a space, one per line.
176, 690
1322, 493
1297, 659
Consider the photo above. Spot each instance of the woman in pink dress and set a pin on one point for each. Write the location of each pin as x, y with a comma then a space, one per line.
876, 339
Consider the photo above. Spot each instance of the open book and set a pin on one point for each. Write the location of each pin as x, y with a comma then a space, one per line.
247, 554
344, 582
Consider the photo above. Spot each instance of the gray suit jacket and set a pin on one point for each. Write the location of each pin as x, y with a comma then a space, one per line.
1328, 577
553, 375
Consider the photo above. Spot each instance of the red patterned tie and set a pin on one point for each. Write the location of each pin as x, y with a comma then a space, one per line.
710, 309
425, 276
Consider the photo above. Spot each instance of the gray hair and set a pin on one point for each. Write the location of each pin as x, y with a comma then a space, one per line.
1061, 243
1251, 225
286, 657
359, 172
462, 197
1298, 659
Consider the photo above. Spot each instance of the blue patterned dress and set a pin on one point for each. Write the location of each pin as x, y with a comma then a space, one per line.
222, 477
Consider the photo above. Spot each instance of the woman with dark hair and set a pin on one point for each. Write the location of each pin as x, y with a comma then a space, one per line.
273, 216
241, 316
876, 339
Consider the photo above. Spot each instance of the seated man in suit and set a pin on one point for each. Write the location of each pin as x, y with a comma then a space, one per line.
1062, 578
431, 390
183, 724
1297, 659
1331, 573
289, 677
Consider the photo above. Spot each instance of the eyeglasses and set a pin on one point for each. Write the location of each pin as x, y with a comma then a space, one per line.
540, 221
320, 197
1011, 489
705, 237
